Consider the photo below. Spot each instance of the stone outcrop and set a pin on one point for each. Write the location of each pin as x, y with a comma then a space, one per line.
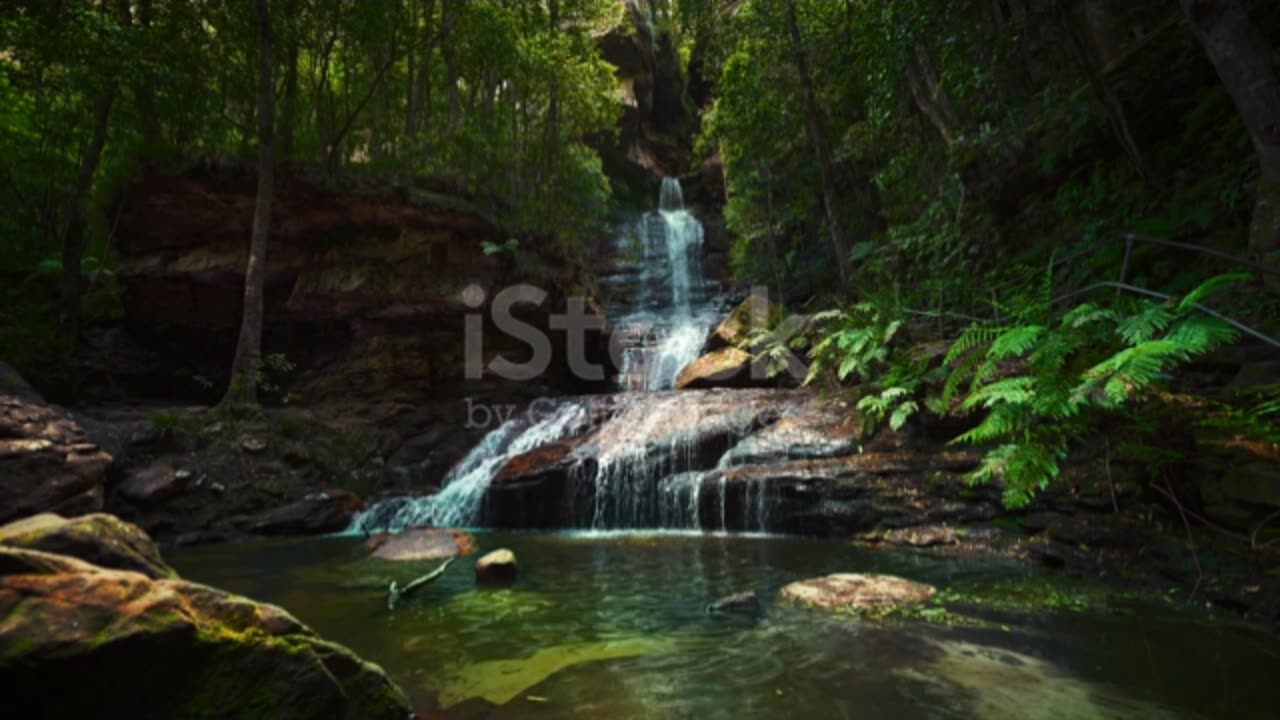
655, 131
856, 591
365, 280
80, 640
319, 512
49, 458
101, 539
497, 568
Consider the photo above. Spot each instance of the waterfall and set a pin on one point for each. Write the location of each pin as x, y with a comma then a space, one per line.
642, 458
668, 315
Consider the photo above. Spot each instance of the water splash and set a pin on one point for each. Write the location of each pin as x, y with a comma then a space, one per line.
461, 498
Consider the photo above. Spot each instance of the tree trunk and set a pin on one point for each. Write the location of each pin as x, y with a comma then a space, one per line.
288, 122
73, 242
1245, 63
1117, 116
821, 151
931, 97
1106, 29
148, 116
245, 368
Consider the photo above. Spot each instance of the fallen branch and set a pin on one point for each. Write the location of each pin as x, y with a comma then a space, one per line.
395, 592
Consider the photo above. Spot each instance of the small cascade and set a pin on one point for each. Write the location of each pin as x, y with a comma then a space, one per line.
667, 314
461, 497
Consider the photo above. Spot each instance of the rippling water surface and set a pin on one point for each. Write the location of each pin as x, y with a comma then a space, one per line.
615, 626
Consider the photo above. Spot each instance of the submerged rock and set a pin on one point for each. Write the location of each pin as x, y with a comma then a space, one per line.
322, 512
421, 544
101, 539
78, 640
501, 681
856, 591
497, 568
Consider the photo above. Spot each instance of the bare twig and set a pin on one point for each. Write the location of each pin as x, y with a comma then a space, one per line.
1168, 492
1253, 537
395, 592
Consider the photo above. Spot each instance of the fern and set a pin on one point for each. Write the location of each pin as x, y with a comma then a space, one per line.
1095, 361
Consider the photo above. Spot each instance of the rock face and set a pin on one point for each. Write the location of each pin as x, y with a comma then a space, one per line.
497, 568
77, 640
48, 459
364, 282
654, 136
320, 512
104, 540
856, 591
421, 544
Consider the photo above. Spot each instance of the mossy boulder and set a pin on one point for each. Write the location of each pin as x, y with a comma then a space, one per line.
78, 640
101, 539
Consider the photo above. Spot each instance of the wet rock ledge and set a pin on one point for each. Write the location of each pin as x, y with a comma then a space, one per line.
84, 640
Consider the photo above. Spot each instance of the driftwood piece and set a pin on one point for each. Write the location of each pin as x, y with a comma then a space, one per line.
395, 592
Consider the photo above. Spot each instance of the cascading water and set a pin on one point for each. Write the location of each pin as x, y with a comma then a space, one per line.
461, 497
645, 458
668, 315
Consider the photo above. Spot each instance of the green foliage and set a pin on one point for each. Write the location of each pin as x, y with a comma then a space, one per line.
174, 423
1058, 384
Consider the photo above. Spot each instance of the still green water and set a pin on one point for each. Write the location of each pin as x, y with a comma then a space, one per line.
615, 627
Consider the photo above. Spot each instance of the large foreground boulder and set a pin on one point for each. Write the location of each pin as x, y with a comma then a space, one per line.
78, 640
104, 540
856, 591
48, 461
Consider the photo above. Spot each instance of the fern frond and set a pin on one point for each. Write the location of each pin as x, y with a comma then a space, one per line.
974, 336
1145, 324
1012, 391
1015, 342
902, 414
1200, 334
1210, 286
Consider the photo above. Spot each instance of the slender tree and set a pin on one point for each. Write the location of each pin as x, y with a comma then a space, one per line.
245, 368
821, 150
1245, 62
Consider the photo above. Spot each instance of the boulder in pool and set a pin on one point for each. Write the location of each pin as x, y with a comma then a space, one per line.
421, 544
497, 568
79, 640
101, 539
856, 591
